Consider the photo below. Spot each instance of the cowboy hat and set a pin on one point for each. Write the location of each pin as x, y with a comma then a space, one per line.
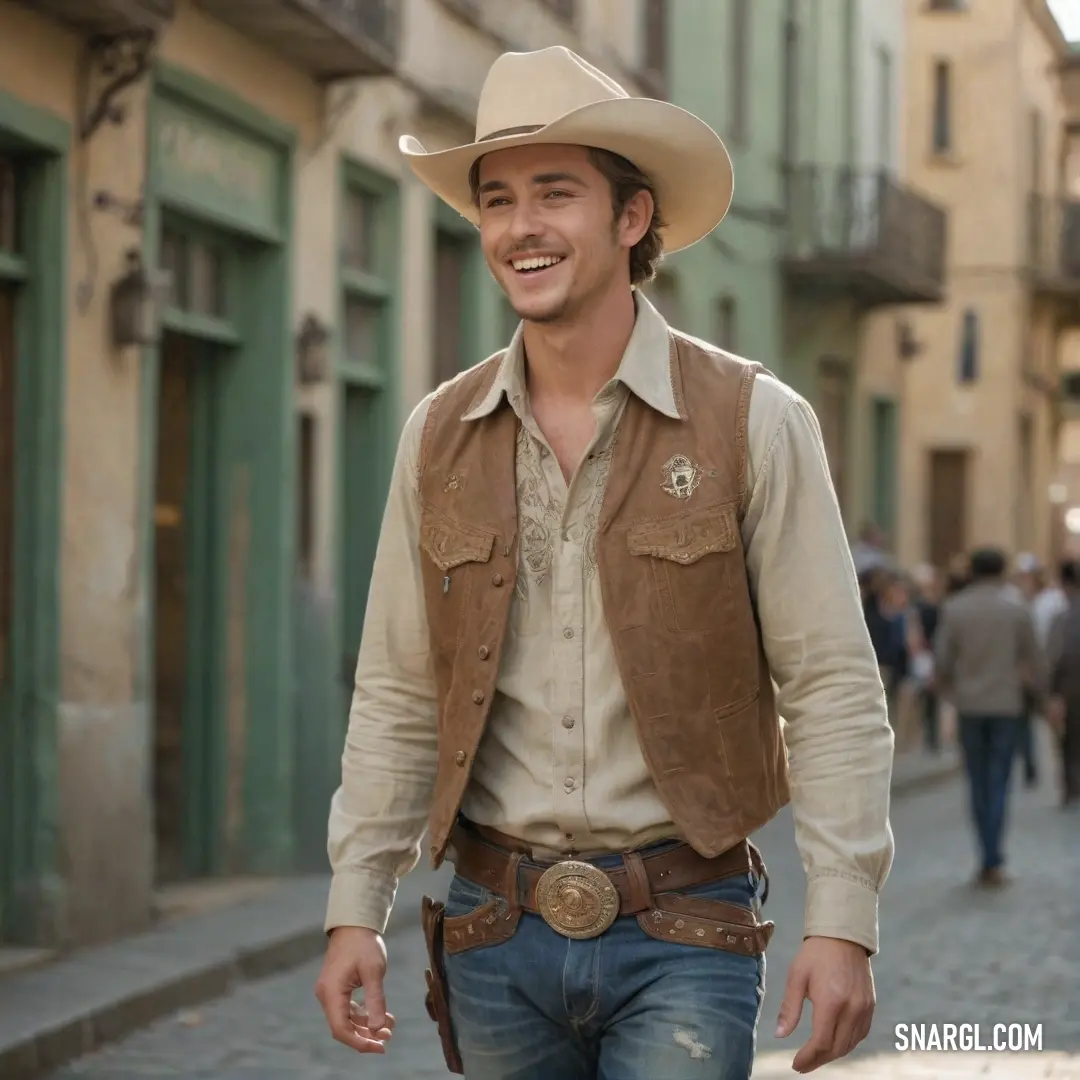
554, 96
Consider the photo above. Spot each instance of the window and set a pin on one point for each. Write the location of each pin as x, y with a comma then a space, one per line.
740, 70
358, 230
885, 434
726, 328
969, 348
663, 291
885, 108
198, 273
305, 517
943, 136
362, 325
834, 407
655, 30
1036, 150
790, 103
365, 255
451, 275
510, 321
9, 205
564, 9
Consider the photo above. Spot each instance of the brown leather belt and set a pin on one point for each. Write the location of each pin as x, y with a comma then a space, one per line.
578, 898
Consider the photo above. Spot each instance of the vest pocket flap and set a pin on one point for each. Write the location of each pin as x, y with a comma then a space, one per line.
449, 544
685, 539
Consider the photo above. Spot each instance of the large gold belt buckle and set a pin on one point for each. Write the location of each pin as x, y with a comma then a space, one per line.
577, 899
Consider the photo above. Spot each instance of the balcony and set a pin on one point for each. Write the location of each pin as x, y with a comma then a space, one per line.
330, 39
1054, 254
106, 17
862, 234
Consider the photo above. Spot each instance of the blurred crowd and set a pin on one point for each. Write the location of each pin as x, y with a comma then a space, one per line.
980, 652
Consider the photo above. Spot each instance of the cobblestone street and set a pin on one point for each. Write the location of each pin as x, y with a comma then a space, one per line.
950, 954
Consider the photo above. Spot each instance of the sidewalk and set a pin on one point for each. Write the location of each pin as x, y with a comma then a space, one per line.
55, 1013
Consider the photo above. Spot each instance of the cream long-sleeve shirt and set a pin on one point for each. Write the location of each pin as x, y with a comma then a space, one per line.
559, 766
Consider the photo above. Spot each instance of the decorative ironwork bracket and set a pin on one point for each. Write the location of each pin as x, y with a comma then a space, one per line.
119, 60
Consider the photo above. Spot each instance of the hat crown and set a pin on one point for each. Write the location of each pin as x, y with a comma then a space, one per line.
528, 90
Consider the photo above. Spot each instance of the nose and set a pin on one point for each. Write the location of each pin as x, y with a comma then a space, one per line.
525, 223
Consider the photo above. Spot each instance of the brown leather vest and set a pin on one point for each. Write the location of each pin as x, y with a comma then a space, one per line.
673, 577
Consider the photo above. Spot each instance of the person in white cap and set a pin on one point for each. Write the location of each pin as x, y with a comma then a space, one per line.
611, 557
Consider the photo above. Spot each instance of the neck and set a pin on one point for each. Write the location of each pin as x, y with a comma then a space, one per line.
575, 360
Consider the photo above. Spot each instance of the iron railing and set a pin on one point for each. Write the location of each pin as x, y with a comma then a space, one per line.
1053, 250
332, 39
846, 221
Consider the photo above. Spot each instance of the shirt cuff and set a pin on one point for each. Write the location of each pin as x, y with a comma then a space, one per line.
360, 898
838, 907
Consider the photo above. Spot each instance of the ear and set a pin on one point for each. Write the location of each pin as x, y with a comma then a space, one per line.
636, 218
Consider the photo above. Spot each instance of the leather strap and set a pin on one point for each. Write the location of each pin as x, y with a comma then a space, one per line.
639, 878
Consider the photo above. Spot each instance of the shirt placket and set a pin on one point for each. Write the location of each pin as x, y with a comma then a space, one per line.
568, 637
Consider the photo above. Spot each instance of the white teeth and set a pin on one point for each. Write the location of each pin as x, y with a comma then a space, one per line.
537, 263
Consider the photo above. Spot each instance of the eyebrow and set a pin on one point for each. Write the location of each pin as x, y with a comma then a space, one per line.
539, 180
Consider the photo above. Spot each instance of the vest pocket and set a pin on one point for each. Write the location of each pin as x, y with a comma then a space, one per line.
451, 546
691, 561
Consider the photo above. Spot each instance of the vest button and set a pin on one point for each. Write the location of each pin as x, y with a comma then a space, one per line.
478, 697
497, 580
459, 758
482, 652
568, 633
568, 722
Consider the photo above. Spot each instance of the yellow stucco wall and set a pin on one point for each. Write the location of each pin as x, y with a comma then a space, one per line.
1002, 69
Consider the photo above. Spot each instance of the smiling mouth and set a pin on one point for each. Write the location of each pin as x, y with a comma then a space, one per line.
536, 264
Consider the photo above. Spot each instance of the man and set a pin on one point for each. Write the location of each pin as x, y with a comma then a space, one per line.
562, 674
988, 664
1063, 711
1045, 602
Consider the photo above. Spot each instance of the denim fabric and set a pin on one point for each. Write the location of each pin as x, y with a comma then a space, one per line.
989, 744
621, 1006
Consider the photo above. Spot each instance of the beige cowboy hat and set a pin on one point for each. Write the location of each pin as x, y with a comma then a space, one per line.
554, 96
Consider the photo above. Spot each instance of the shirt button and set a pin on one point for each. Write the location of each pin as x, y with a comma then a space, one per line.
482, 652
568, 722
568, 783
497, 580
478, 697
568, 633
459, 757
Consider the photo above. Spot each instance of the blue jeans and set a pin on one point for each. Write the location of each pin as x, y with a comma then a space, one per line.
621, 1006
989, 744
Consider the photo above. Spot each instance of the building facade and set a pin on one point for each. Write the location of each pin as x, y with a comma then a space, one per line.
981, 411
221, 293
823, 236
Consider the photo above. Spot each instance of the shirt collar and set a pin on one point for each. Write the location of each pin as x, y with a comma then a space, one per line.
645, 368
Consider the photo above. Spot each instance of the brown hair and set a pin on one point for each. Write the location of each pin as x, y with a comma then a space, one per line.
625, 180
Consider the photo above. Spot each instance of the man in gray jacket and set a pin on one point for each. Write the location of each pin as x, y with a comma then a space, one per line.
987, 656
1063, 711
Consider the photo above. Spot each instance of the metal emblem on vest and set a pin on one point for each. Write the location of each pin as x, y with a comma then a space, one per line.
681, 477
577, 899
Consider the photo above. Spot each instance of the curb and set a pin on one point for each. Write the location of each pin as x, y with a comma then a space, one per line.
41, 1051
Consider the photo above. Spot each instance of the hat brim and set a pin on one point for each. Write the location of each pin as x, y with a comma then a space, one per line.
684, 158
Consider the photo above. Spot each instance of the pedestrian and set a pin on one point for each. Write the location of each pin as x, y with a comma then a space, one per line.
929, 590
1046, 602
987, 661
601, 548
1063, 710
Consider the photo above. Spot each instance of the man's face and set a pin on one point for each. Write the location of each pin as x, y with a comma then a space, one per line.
549, 233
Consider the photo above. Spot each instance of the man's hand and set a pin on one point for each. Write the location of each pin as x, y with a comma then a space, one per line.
355, 958
1055, 714
835, 975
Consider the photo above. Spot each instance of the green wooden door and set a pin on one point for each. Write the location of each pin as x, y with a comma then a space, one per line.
884, 475
187, 611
